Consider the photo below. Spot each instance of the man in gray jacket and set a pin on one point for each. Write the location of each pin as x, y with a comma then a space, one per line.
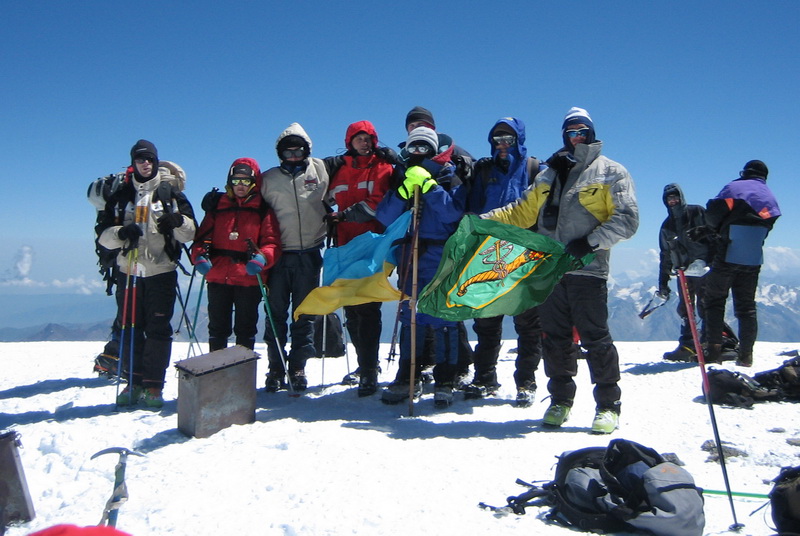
587, 202
295, 190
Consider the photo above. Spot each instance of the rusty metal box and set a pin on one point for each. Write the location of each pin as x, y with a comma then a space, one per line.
216, 390
15, 500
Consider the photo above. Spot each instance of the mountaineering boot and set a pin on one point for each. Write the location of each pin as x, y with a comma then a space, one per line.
352, 378
483, 384
525, 396
153, 398
461, 381
556, 415
368, 383
745, 360
299, 381
276, 381
106, 365
130, 395
714, 354
397, 391
681, 353
605, 421
443, 396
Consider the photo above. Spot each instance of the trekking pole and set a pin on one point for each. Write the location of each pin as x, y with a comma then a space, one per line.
268, 310
124, 322
188, 293
197, 311
134, 278
707, 392
192, 334
412, 303
401, 282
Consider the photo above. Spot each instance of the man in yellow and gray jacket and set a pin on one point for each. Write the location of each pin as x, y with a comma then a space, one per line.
587, 202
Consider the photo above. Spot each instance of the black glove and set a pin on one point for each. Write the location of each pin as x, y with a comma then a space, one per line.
664, 291
387, 154
561, 161
579, 248
702, 234
130, 232
332, 218
168, 222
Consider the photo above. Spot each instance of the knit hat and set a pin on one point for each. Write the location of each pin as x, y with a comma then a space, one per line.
418, 113
755, 168
144, 149
425, 135
577, 116
241, 170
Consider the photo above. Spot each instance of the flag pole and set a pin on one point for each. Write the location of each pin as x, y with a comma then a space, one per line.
412, 303
707, 391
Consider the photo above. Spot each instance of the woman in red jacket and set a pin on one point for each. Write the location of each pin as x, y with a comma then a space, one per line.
238, 239
359, 180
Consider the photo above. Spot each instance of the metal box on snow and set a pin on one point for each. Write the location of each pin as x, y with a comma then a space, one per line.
216, 390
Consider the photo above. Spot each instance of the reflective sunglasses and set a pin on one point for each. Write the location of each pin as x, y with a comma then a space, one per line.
243, 182
296, 152
583, 132
143, 160
419, 149
507, 139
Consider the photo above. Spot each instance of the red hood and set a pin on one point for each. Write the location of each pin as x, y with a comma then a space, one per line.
360, 126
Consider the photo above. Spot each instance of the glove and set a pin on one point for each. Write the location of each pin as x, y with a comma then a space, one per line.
664, 291
387, 154
130, 232
579, 248
416, 176
203, 264
168, 222
334, 217
256, 264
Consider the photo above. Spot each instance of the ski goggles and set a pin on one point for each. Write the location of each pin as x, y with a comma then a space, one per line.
241, 181
504, 139
293, 152
141, 160
581, 132
419, 149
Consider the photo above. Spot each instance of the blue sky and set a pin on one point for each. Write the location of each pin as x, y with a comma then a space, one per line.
679, 91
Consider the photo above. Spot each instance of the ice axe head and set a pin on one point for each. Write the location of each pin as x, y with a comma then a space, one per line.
122, 451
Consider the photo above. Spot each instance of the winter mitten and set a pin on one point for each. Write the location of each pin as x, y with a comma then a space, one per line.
168, 222
203, 264
130, 232
416, 176
579, 248
256, 264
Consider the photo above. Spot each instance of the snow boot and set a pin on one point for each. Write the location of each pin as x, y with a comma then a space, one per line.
556, 415
525, 396
605, 421
682, 353
352, 378
442, 396
276, 381
299, 380
397, 391
130, 395
368, 383
153, 398
106, 365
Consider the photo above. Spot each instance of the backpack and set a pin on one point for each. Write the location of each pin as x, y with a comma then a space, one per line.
784, 499
622, 487
737, 389
784, 379
100, 192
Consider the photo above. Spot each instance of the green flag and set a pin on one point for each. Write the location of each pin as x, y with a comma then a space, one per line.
490, 268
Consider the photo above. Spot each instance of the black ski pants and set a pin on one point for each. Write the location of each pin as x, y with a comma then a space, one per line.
364, 326
147, 317
529, 347
232, 309
741, 281
580, 301
696, 287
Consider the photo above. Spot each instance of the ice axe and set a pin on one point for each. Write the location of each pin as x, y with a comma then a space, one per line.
120, 493
655, 302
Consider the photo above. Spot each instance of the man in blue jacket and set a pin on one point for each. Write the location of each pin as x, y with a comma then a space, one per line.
742, 215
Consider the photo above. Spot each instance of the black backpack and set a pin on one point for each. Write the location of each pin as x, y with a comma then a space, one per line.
784, 500
727, 387
623, 487
784, 379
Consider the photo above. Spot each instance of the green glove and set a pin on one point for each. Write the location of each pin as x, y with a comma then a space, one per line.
416, 176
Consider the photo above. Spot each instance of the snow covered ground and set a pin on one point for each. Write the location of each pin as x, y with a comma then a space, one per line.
330, 463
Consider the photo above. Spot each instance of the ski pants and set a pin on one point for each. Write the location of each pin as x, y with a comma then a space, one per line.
580, 301
290, 280
364, 326
232, 302
154, 303
445, 346
741, 281
529, 347
696, 287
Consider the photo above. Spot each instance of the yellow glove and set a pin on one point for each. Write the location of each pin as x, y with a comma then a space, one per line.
416, 176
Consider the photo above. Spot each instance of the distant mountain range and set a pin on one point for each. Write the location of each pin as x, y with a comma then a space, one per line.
85, 318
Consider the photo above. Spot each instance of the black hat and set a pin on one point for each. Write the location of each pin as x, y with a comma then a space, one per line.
418, 113
293, 140
754, 168
144, 149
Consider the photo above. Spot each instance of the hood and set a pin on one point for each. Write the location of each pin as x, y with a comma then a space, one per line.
294, 130
518, 152
360, 126
673, 189
253, 165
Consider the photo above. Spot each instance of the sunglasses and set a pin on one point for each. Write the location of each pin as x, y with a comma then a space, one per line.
506, 139
418, 149
582, 133
297, 152
143, 160
243, 182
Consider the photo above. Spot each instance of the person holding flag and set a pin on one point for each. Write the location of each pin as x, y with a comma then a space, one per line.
440, 209
587, 202
497, 181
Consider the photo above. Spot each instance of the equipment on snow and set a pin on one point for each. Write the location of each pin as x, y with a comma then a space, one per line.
622, 487
120, 492
655, 302
784, 499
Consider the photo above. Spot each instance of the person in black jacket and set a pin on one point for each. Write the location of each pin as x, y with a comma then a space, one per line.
742, 215
678, 251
